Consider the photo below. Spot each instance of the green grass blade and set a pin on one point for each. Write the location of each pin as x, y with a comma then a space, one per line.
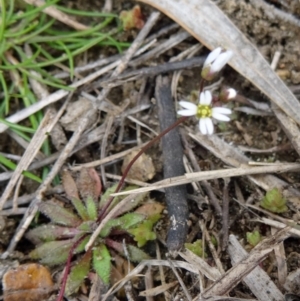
17, 127
5, 91
12, 166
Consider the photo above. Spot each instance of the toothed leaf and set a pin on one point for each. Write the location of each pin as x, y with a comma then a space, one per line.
50, 232
59, 214
143, 232
78, 273
101, 262
135, 254
53, 252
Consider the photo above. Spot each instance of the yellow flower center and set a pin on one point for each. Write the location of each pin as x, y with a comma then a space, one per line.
203, 111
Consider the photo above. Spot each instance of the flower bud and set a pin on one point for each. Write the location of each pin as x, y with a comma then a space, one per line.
227, 94
215, 61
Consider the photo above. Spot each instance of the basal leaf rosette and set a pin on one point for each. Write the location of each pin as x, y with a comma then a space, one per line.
72, 225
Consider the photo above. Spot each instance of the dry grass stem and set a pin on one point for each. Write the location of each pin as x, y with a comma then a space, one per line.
216, 174
36, 142
235, 275
202, 266
281, 261
257, 280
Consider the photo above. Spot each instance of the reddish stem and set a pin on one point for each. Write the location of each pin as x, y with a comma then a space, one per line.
67, 268
201, 86
143, 149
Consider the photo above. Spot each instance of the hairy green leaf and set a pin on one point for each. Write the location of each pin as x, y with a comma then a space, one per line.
134, 202
101, 262
130, 219
58, 214
136, 254
53, 252
80, 208
274, 201
113, 223
128, 206
50, 232
143, 232
78, 273
87, 226
80, 248
105, 196
196, 248
253, 238
91, 208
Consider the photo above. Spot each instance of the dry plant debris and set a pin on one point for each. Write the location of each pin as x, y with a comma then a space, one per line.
221, 182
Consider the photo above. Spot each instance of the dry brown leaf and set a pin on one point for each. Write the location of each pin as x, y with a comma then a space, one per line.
27, 282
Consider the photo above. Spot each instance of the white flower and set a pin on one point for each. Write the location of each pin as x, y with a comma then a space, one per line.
204, 112
215, 61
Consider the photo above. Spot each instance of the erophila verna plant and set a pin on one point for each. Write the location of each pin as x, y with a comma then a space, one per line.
71, 228
206, 110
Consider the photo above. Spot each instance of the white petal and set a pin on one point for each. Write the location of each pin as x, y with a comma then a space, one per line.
188, 105
208, 97
212, 56
206, 126
221, 110
205, 98
221, 117
221, 61
210, 126
186, 113
202, 126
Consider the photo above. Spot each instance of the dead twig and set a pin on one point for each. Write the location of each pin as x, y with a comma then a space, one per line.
225, 215
176, 197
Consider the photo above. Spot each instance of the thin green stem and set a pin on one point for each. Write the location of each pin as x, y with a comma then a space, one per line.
3, 19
